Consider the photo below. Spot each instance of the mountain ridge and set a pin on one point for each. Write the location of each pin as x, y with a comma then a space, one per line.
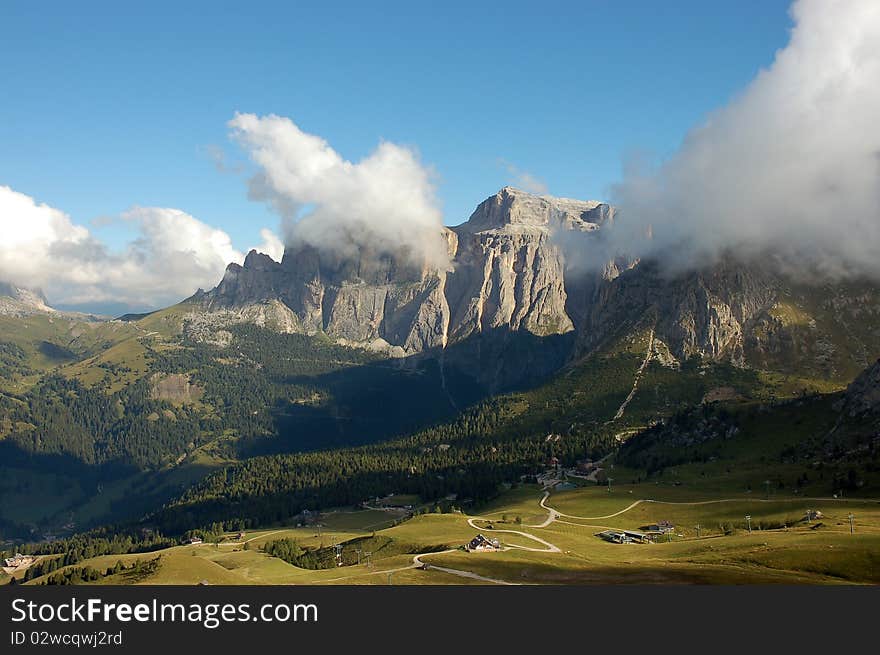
506, 274
512, 271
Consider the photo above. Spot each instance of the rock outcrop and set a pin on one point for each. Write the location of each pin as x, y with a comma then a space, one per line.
507, 275
508, 272
706, 313
741, 311
18, 301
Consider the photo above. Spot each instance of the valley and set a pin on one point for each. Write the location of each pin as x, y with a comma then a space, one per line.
313, 384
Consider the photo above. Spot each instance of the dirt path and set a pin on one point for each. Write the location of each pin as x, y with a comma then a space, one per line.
247, 541
548, 547
607, 516
638, 377
368, 573
551, 516
418, 563
458, 572
697, 502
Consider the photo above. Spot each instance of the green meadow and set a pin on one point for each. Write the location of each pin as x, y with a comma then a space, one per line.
781, 548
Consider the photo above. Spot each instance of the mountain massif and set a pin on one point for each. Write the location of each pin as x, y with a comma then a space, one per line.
506, 274
511, 271
326, 378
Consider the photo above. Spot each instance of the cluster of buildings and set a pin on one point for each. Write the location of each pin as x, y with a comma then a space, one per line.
18, 560
481, 544
624, 537
645, 535
555, 474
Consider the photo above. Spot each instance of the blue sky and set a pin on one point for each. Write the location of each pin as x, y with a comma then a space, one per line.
108, 105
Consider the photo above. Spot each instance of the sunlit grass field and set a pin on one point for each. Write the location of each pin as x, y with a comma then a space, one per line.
781, 548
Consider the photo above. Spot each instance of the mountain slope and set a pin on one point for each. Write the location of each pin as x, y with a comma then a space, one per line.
329, 351
744, 312
509, 275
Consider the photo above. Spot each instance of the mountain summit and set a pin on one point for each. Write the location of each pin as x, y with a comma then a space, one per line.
511, 208
509, 276
506, 275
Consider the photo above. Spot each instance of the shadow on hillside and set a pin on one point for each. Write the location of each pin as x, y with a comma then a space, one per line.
143, 491
393, 397
364, 404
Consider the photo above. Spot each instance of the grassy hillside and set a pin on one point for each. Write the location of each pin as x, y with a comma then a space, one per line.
129, 419
585, 411
35, 345
799, 446
711, 544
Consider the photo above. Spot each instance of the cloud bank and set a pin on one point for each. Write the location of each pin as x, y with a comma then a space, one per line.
384, 203
790, 169
173, 255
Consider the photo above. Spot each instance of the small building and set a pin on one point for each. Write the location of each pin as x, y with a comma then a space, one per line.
660, 527
482, 544
194, 541
624, 537
18, 560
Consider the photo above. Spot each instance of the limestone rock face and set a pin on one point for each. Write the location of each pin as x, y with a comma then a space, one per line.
18, 301
506, 275
509, 277
708, 313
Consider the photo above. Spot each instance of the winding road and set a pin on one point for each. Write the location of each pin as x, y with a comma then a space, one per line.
548, 547
553, 515
417, 562
674, 502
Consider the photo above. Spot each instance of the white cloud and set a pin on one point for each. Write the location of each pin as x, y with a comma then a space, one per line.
791, 167
385, 202
171, 237
173, 255
33, 235
524, 180
272, 245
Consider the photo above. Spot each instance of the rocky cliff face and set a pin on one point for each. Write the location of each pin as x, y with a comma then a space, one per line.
18, 301
509, 276
743, 312
508, 272
705, 313
506, 275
